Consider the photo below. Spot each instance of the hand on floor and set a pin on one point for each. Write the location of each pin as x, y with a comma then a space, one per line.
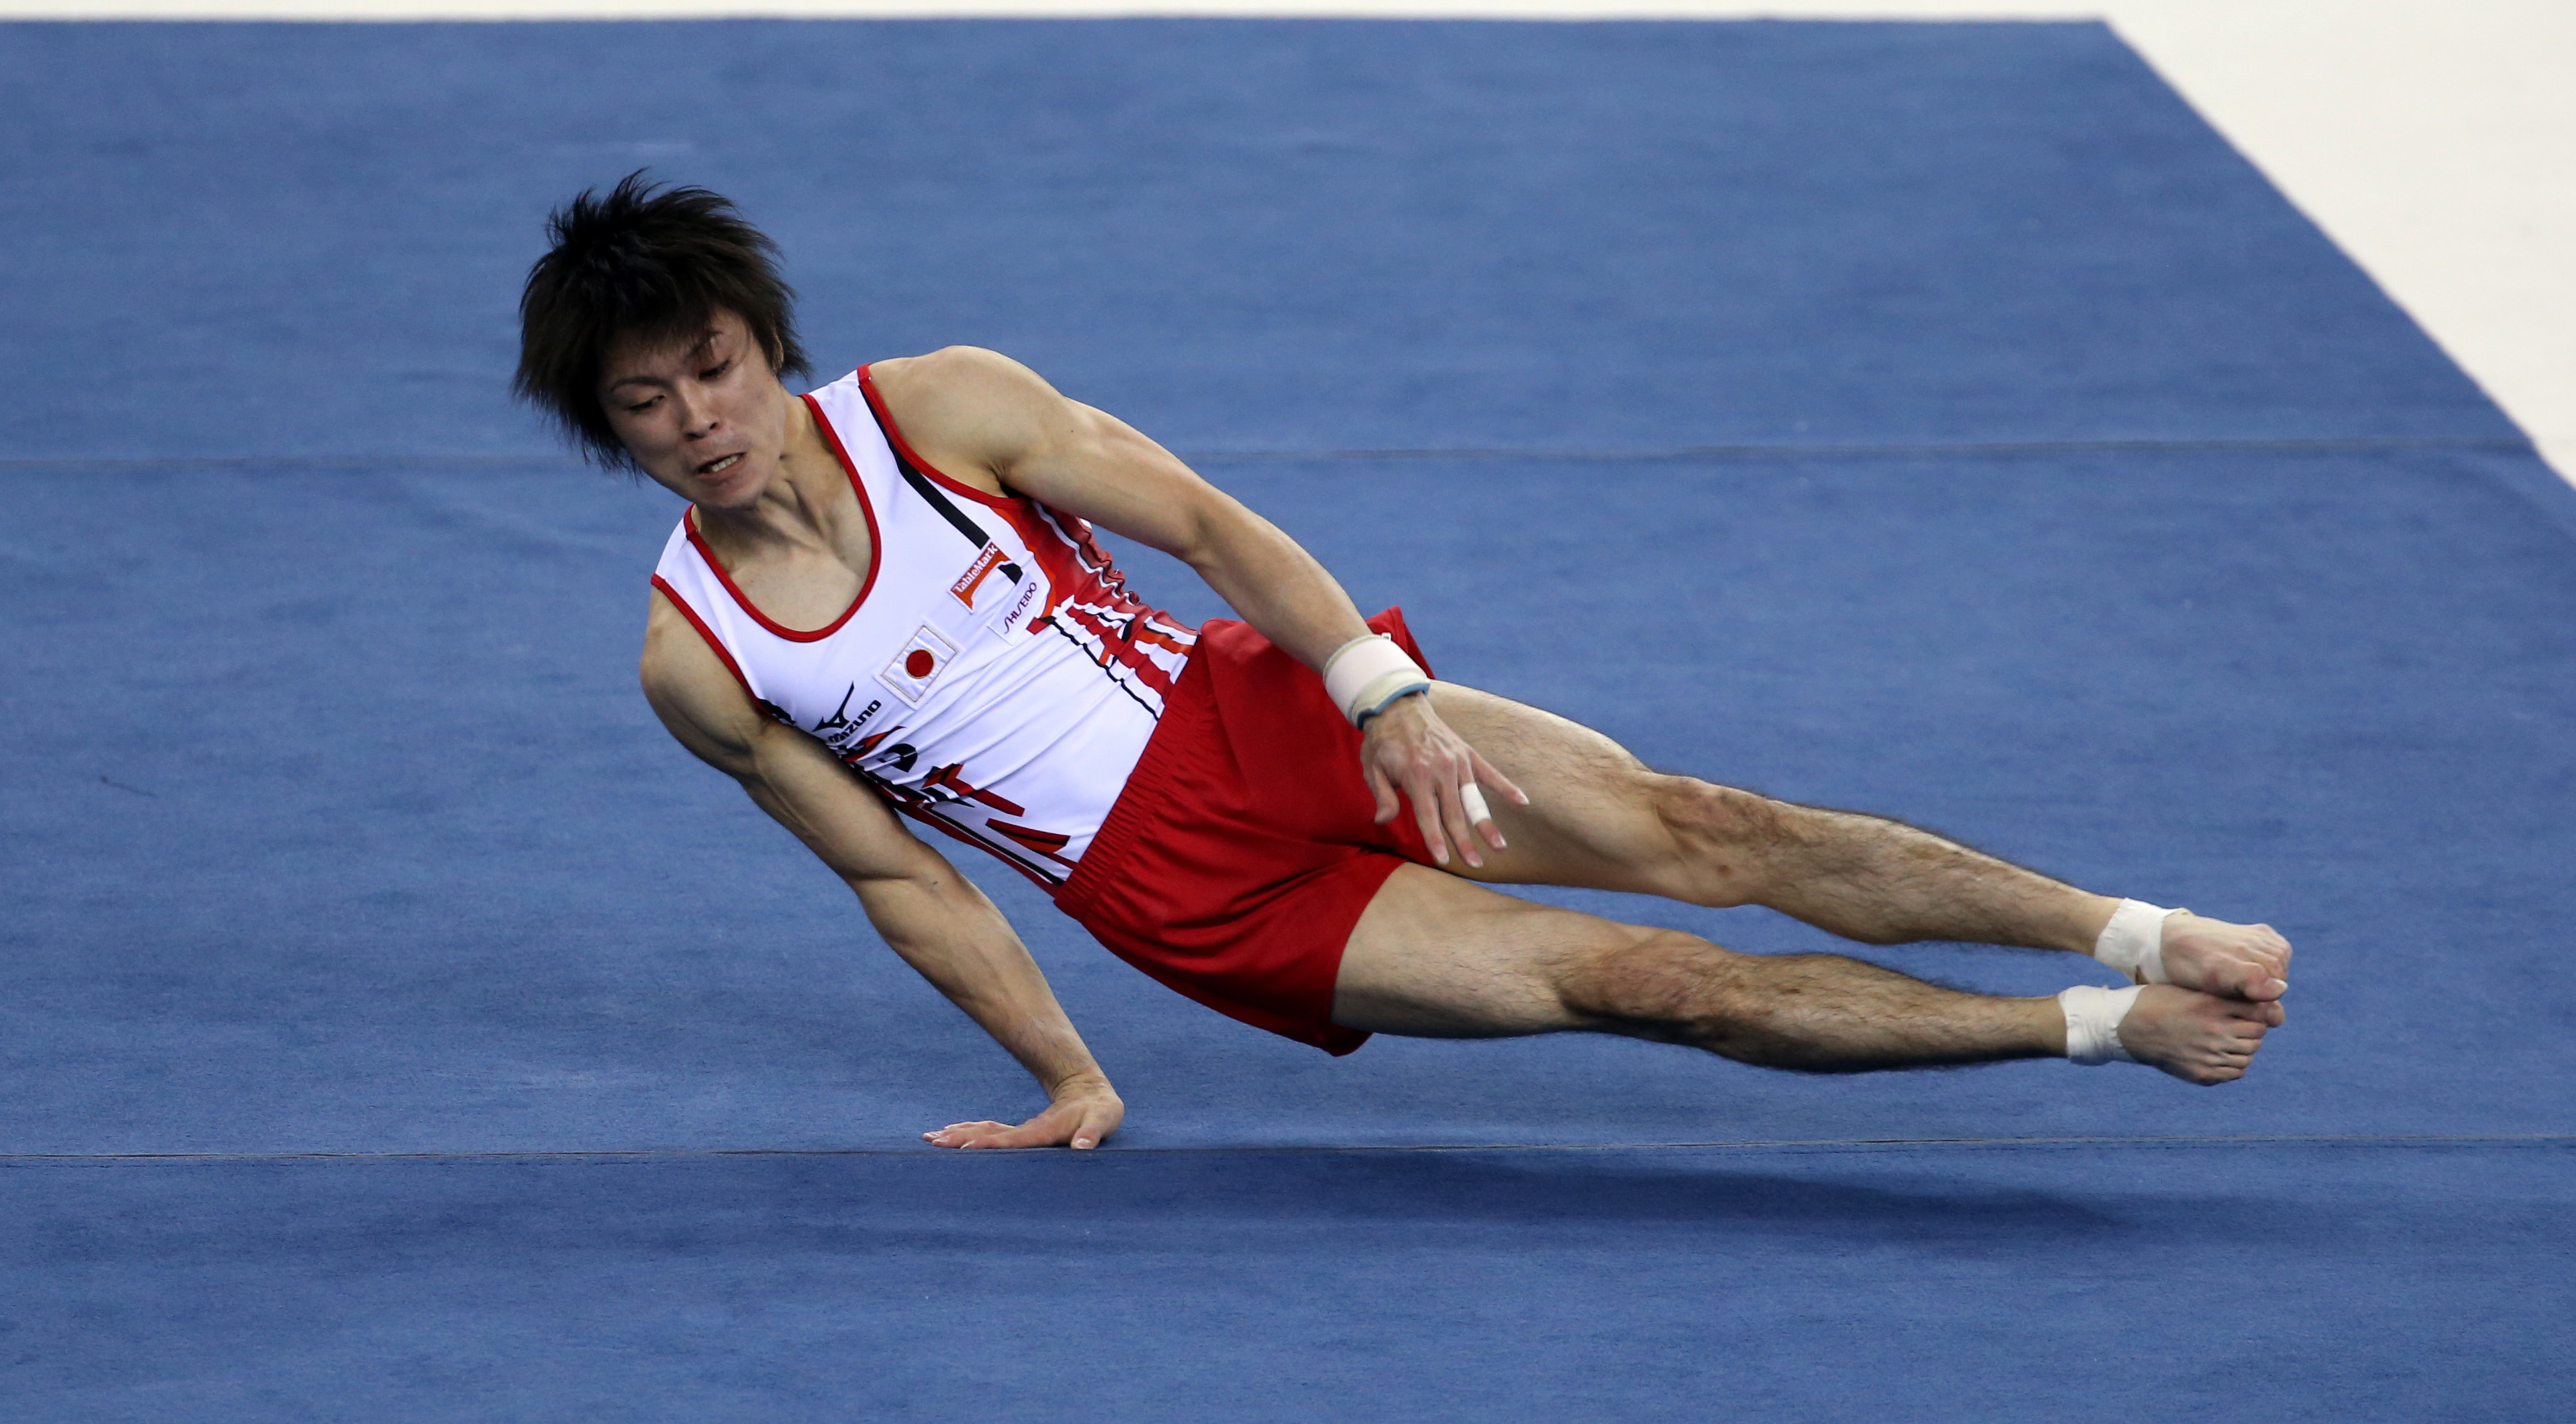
1085, 1111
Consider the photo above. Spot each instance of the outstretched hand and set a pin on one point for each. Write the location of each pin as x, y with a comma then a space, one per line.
1408, 748
1085, 1111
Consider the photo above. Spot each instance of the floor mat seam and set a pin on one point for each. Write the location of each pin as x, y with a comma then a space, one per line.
1397, 454
1748, 1145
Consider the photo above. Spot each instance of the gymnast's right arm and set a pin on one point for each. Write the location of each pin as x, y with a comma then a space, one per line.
935, 918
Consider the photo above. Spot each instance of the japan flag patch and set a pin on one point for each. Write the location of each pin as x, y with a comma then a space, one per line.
919, 665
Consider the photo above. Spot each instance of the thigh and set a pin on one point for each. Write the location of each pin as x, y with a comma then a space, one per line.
1435, 956
1595, 817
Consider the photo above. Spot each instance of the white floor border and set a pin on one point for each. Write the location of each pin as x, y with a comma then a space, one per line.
2435, 140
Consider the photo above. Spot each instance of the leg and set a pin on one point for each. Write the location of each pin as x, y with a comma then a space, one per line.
1436, 956
1600, 818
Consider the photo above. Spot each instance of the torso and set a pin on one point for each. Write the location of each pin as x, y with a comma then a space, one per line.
973, 655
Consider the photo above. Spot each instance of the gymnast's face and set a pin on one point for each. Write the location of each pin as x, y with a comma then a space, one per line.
702, 413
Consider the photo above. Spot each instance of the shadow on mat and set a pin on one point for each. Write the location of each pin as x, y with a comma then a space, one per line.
1059, 1204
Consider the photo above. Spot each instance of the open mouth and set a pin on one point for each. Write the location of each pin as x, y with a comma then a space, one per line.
718, 466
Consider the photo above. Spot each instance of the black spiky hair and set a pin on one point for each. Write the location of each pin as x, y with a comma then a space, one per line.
645, 261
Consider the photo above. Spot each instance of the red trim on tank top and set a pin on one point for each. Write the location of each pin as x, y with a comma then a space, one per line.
1038, 526
707, 633
903, 447
940, 823
956, 834
876, 546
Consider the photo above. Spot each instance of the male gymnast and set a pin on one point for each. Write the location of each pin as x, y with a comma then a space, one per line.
885, 597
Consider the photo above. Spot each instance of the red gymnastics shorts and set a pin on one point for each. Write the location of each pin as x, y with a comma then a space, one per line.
1243, 848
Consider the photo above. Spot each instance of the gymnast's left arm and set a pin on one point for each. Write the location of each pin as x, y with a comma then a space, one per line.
988, 415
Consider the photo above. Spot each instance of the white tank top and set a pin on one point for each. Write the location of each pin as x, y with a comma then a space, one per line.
994, 678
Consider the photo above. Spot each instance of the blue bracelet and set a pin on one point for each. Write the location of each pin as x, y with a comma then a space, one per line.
1410, 688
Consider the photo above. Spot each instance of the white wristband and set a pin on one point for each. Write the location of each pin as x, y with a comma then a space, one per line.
2134, 942
2093, 1016
1365, 674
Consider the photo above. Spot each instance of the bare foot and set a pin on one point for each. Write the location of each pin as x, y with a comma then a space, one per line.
2232, 961
2199, 1038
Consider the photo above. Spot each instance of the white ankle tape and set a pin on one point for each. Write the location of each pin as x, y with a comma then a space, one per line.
2134, 942
2093, 1017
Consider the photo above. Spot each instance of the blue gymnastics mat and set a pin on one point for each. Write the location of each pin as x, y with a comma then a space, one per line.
2121, 1280
1936, 419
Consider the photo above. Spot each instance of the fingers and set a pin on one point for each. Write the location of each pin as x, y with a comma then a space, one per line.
1097, 1122
1480, 817
1474, 797
1462, 814
1081, 1127
1427, 815
1443, 777
1437, 812
1485, 773
1384, 791
1454, 818
992, 1134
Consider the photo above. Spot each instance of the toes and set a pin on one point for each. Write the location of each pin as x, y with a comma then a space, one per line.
2267, 1013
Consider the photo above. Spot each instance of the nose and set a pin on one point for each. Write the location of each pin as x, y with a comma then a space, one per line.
697, 419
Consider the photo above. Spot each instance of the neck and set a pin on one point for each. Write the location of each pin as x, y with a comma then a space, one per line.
789, 508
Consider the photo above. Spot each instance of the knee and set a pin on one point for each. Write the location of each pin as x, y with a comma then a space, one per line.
1663, 985
1719, 837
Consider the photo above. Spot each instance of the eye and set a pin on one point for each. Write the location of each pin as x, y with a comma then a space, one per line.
716, 371
642, 406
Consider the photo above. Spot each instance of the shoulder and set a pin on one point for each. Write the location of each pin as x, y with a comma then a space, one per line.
976, 415
696, 695
967, 400
954, 371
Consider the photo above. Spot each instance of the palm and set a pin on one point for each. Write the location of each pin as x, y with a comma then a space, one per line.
1082, 1120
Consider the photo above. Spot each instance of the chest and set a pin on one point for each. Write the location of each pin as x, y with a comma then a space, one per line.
809, 583
935, 610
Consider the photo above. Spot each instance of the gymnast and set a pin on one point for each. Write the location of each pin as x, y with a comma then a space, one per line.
885, 598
